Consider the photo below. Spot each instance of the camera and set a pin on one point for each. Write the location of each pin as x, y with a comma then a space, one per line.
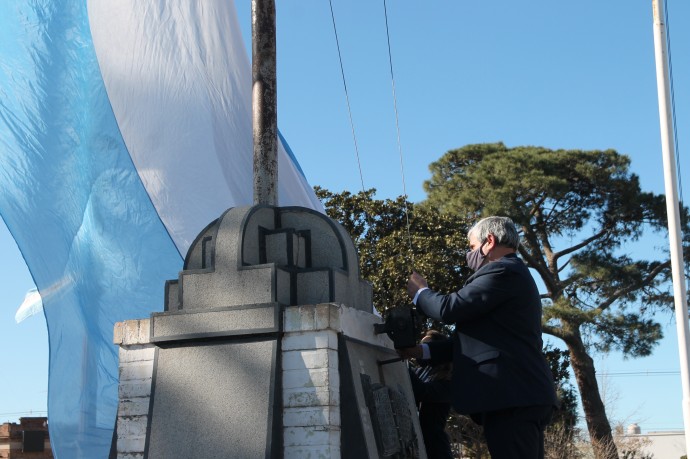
402, 324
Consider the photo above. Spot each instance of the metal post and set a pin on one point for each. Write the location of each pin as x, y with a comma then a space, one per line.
264, 105
671, 187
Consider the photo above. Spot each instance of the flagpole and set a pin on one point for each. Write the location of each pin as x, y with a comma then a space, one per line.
672, 208
264, 102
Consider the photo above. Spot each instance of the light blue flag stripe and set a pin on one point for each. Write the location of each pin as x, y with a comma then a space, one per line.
73, 201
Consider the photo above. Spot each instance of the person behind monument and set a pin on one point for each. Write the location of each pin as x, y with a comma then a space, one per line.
500, 376
432, 394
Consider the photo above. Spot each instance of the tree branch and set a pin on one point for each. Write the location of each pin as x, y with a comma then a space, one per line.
537, 205
539, 267
624, 291
553, 209
556, 332
580, 245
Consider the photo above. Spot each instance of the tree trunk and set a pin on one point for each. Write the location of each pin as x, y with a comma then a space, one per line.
592, 405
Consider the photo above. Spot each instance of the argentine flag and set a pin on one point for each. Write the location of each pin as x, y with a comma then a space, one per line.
125, 128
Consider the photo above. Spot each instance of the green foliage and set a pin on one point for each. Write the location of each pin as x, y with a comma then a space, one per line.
435, 245
562, 190
629, 333
565, 418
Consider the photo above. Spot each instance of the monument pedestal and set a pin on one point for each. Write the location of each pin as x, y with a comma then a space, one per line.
266, 349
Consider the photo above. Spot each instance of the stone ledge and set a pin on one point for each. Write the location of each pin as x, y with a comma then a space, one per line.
131, 332
322, 339
230, 321
359, 325
313, 317
339, 318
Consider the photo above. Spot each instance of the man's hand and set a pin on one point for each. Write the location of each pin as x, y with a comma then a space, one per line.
410, 352
414, 283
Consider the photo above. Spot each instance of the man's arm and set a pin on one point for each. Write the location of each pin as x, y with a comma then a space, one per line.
489, 288
435, 352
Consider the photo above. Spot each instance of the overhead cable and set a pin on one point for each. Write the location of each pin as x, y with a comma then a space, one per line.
347, 97
397, 127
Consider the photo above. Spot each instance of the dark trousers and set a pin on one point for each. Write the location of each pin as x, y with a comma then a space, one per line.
433, 398
432, 420
516, 433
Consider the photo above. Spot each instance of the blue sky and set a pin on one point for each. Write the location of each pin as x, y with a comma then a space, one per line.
573, 75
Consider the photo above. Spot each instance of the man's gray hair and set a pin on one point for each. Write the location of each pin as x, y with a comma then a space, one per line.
502, 228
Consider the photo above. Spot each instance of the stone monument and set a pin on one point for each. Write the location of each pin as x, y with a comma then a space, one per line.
266, 349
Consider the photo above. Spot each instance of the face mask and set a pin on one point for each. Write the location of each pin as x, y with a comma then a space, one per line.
475, 258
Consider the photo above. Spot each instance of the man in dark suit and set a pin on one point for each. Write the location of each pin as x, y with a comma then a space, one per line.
500, 376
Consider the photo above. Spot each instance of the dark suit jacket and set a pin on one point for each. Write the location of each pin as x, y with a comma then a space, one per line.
496, 349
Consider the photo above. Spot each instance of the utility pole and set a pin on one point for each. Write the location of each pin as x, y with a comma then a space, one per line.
672, 208
264, 102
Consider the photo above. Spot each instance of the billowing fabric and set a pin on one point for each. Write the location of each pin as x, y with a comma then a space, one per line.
31, 305
179, 81
125, 128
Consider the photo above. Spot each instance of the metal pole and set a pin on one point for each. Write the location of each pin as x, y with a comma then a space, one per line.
672, 208
264, 106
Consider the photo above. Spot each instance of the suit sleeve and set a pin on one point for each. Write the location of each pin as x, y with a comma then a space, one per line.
490, 287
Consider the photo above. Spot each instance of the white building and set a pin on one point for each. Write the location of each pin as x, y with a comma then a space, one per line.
661, 445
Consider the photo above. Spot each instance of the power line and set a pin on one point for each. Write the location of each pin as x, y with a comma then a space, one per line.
397, 127
347, 97
641, 373
673, 120
397, 123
